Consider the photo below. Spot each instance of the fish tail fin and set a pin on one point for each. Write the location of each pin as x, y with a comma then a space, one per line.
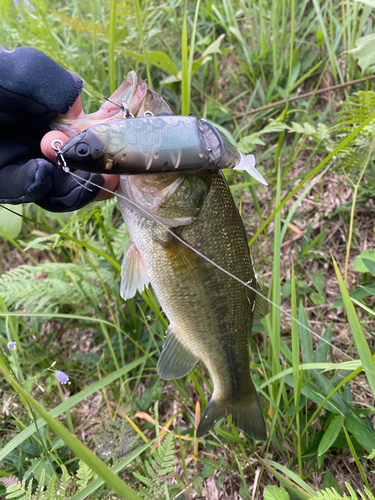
247, 415
214, 412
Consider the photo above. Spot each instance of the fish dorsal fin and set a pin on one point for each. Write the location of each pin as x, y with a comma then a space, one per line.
261, 306
175, 360
133, 272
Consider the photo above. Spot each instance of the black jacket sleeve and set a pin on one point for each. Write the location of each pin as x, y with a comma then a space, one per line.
33, 90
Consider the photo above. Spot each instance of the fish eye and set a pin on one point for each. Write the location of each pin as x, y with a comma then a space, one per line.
82, 149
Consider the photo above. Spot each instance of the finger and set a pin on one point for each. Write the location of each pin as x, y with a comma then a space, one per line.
45, 143
111, 183
76, 111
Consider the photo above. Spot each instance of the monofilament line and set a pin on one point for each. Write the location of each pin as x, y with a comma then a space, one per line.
150, 216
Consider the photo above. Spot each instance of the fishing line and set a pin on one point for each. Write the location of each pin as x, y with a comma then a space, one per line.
151, 216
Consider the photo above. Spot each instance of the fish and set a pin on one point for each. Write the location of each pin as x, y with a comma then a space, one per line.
210, 313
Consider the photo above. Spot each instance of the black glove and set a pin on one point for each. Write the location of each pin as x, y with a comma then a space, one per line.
33, 90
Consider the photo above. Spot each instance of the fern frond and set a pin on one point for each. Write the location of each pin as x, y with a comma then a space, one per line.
51, 493
155, 470
84, 474
39, 493
19, 491
331, 494
53, 283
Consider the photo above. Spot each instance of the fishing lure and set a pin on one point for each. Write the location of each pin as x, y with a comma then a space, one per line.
154, 144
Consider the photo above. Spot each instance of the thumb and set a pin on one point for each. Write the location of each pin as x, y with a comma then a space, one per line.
45, 143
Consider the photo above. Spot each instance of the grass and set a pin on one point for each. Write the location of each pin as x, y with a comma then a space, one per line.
232, 63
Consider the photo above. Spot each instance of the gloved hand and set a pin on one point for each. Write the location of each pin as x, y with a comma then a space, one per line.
33, 90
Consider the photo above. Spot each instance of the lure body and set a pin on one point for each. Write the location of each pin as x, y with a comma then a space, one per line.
159, 144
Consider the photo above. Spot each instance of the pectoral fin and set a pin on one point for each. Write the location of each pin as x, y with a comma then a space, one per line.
133, 272
176, 360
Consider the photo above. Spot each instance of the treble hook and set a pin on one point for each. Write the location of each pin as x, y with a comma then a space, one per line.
124, 106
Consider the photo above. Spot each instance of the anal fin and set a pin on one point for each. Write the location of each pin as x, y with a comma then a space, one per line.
133, 272
176, 360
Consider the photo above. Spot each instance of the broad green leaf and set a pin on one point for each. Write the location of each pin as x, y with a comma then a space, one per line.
214, 48
359, 264
370, 264
319, 280
11, 223
318, 298
371, 3
155, 58
36, 469
330, 482
364, 50
330, 435
363, 434
275, 493
359, 338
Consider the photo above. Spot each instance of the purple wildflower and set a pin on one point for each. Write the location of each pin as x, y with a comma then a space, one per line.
32, 8
62, 377
27, 2
18, 17
15, 2
11, 346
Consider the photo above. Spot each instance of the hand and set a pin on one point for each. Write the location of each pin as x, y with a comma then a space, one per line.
76, 111
33, 90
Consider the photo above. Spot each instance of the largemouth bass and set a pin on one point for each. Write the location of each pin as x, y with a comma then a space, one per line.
210, 313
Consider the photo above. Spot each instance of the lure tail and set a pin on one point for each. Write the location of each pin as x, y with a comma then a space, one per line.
246, 413
247, 163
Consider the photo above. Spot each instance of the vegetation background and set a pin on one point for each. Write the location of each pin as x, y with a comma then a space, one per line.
290, 81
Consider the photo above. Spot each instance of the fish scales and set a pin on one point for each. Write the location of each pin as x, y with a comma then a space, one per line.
210, 313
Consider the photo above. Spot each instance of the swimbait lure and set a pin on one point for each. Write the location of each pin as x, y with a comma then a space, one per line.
155, 144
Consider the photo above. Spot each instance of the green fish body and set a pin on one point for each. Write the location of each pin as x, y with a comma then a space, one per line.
210, 313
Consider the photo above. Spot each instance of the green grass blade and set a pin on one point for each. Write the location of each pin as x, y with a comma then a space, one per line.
305, 492
67, 405
191, 51
99, 467
330, 435
358, 335
185, 102
112, 33
140, 30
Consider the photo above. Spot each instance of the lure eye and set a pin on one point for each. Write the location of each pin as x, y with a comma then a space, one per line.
82, 149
